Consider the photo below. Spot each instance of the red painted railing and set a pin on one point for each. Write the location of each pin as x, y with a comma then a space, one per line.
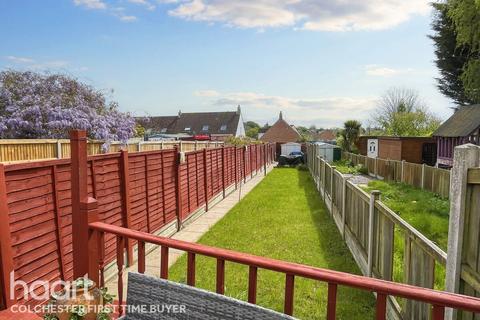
439, 300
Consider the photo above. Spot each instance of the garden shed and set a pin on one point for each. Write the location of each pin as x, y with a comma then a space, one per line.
411, 149
290, 147
462, 127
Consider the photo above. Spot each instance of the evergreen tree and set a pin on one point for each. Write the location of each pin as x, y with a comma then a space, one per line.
451, 58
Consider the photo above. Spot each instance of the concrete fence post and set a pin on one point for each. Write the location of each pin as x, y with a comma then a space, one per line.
331, 188
374, 196
423, 176
465, 157
324, 174
402, 178
59, 149
344, 204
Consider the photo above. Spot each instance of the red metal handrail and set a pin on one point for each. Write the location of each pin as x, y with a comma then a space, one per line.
383, 288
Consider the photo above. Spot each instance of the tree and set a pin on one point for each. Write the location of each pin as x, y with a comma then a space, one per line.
452, 58
349, 134
465, 15
252, 132
139, 131
34, 105
401, 112
251, 129
304, 133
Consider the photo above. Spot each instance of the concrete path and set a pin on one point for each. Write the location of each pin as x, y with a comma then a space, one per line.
191, 233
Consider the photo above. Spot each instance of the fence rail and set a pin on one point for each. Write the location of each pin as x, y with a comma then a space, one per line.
149, 191
14, 150
433, 179
378, 238
434, 300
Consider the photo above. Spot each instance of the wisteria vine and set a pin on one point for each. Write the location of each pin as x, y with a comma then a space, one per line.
34, 105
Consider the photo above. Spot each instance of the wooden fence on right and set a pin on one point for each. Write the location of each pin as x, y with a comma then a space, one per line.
433, 179
381, 242
463, 265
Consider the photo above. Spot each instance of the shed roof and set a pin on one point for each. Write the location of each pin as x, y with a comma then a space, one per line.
462, 123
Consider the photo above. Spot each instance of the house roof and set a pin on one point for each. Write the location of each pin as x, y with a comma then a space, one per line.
281, 131
224, 123
462, 123
325, 135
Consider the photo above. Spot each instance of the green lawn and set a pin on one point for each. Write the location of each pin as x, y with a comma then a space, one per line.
424, 210
346, 167
282, 218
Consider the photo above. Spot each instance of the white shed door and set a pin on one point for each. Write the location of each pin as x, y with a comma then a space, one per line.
372, 148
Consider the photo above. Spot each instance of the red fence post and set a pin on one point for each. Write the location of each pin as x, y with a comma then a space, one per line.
264, 159
6, 255
178, 185
245, 164
127, 218
205, 178
236, 166
223, 171
83, 210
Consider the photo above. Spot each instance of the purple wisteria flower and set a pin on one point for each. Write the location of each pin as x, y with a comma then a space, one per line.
34, 105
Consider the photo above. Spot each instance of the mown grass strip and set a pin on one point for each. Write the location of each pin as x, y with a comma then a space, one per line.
282, 218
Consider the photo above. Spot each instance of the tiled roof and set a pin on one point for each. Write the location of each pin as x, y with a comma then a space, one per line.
281, 131
325, 135
195, 123
461, 123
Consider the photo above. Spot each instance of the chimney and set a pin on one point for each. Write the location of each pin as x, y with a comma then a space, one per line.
239, 110
281, 116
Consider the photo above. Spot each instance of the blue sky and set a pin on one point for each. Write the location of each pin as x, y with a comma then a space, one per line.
320, 61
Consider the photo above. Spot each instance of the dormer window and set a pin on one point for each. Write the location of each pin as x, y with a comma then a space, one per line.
163, 130
205, 128
187, 129
223, 127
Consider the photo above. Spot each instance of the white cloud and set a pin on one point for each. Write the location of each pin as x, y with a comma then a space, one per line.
37, 65
126, 18
91, 4
145, 3
328, 111
19, 59
206, 93
381, 71
321, 15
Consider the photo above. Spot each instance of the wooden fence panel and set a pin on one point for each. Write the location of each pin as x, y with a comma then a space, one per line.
429, 178
383, 239
421, 273
39, 200
357, 215
15, 150
412, 174
389, 232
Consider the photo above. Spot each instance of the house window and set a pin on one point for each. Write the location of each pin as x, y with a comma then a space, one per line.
187, 128
163, 130
205, 128
223, 127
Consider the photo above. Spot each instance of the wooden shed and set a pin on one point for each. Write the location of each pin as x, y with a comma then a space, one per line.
411, 149
462, 127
